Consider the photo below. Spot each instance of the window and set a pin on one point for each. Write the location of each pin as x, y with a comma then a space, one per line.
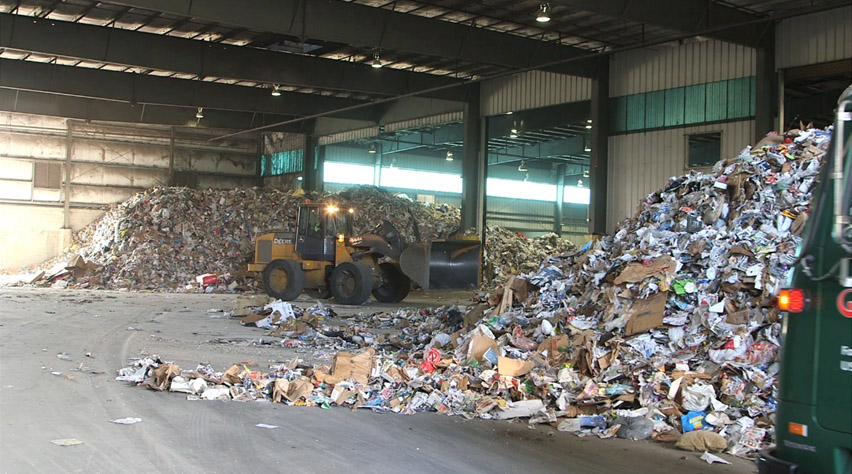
704, 149
48, 175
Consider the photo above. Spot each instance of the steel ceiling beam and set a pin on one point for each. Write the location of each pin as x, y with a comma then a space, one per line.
111, 111
679, 15
201, 58
380, 28
153, 90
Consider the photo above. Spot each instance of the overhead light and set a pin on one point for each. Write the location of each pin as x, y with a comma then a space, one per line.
377, 63
543, 13
589, 123
509, 112
276, 91
523, 166
585, 173
393, 163
200, 114
526, 177
579, 183
299, 178
513, 133
372, 149
449, 156
587, 148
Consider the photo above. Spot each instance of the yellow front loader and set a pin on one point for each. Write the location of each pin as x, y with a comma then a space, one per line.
323, 258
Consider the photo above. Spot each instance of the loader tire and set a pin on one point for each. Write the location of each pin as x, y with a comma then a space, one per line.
396, 284
283, 279
351, 283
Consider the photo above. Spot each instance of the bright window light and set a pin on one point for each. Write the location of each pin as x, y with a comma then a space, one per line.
347, 173
575, 195
400, 178
516, 189
422, 180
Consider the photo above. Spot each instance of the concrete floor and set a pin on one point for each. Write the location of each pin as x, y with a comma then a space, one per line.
180, 436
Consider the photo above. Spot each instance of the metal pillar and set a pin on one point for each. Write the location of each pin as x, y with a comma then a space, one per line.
764, 107
474, 156
66, 206
311, 165
172, 158
560, 198
598, 158
377, 166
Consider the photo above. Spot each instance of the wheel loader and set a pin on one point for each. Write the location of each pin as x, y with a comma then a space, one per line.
323, 258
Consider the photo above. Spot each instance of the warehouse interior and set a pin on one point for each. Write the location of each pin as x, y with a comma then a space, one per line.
69, 67
524, 120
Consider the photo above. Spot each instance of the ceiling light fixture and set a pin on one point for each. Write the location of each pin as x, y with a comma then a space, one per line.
200, 114
587, 148
377, 63
579, 183
585, 173
589, 123
449, 156
372, 149
509, 112
299, 178
543, 13
523, 166
276, 90
393, 163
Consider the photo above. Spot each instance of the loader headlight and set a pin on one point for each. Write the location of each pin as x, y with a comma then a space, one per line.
331, 209
340, 238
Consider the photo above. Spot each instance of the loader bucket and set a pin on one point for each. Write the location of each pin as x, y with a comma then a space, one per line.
443, 264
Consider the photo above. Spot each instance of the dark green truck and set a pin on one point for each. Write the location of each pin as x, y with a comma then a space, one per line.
814, 417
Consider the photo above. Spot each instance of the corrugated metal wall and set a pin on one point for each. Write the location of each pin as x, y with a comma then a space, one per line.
531, 90
641, 163
666, 67
813, 39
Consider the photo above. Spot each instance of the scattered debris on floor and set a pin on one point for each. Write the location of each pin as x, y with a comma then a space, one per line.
66, 442
126, 421
665, 330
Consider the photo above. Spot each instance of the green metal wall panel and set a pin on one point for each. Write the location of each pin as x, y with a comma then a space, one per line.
674, 107
752, 98
281, 163
695, 104
655, 109
738, 98
717, 101
636, 112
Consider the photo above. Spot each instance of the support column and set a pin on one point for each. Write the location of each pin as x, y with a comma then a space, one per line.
764, 106
377, 166
473, 164
560, 195
311, 161
66, 205
172, 157
598, 158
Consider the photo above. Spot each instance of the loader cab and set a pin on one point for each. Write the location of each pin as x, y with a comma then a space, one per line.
319, 227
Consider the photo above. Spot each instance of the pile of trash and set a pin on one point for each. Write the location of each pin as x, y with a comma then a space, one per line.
166, 237
416, 221
665, 330
510, 253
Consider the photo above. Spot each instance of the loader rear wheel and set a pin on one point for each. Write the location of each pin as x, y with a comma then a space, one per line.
396, 284
283, 279
351, 283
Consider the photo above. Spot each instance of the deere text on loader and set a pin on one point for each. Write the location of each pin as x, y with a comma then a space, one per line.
323, 258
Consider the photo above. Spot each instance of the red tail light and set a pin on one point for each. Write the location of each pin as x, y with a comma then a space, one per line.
792, 300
